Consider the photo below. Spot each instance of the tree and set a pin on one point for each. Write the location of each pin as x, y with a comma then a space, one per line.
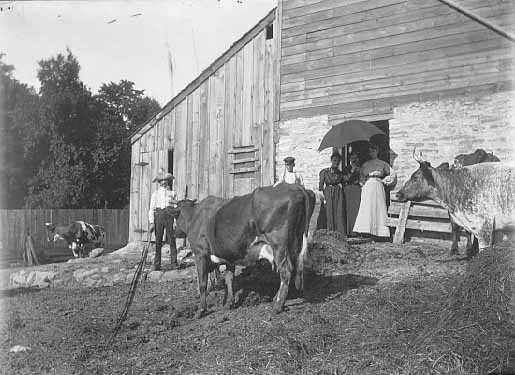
67, 124
122, 107
19, 106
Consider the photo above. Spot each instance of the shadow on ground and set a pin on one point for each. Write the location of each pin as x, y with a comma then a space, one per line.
259, 284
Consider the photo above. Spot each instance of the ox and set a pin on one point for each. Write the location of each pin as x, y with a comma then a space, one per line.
222, 232
462, 160
479, 198
76, 235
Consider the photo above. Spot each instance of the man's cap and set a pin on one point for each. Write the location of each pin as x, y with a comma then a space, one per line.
163, 177
289, 160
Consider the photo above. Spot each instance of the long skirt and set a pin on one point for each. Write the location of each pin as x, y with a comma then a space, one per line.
333, 211
372, 214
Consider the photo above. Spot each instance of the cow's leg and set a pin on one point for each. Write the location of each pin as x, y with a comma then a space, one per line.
202, 274
229, 276
455, 235
485, 235
73, 246
280, 297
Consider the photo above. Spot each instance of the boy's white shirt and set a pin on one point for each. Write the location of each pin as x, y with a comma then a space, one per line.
290, 178
160, 198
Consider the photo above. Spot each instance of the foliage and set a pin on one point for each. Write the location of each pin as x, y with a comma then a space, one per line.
64, 146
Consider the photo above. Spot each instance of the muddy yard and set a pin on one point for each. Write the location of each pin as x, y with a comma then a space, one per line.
387, 309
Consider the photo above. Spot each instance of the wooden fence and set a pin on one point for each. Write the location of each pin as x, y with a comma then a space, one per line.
14, 225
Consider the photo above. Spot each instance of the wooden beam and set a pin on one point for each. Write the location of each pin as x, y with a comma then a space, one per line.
483, 21
398, 238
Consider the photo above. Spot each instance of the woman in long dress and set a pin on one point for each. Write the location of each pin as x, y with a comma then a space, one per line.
330, 184
372, 214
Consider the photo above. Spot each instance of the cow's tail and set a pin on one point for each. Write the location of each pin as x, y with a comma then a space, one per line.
302, 258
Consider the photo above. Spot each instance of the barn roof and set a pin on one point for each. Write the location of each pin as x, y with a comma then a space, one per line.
205, 74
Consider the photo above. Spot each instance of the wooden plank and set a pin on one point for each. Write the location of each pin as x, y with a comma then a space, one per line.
204, 140
388, 71
489, 65
213, 136
421, 225
276, 56
423, 27
290, 15
226, 56
248, 71
134, 195
268, 117
238, 94
229, 123
376, 93
181, 118
400, 13
145, 191
258, 102
398, 238
436, 94
418, 210
189, 145
219, 157
388, 51
195, 156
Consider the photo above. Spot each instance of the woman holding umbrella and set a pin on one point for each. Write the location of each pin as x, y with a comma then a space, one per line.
373, 214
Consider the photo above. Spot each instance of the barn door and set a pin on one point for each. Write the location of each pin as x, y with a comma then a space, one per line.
245, 169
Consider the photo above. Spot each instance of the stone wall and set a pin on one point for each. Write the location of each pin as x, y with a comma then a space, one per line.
300, 138
440, 128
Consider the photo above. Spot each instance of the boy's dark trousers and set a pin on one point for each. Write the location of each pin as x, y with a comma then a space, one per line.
163, 219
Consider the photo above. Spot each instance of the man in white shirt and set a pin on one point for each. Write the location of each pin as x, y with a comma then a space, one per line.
161, 215
289, 176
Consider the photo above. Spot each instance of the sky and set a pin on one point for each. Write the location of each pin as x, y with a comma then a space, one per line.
132, 47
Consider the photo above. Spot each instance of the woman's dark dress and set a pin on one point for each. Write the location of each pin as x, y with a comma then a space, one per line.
331, 184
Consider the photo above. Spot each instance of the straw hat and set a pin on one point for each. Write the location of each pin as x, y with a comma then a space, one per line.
163, 177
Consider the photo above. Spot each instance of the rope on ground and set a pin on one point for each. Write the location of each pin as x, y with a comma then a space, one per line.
132, 292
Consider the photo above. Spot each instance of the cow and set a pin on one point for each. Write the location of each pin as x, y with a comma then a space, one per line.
77, 234
479, 198
478, 156
222, 232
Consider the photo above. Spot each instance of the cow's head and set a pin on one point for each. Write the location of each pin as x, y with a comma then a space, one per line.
421, 184
187, 209
51, 235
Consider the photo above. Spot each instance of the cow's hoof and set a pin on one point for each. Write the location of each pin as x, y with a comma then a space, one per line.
277, 309
227, 306
454, 252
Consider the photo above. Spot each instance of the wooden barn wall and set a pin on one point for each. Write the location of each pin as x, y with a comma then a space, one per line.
354, 58
231, 110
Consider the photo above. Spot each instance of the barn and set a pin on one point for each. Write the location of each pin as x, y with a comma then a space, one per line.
430, 76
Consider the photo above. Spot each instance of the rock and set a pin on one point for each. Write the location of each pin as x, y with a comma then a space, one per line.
104, 269
18, 349
155, 276
96, 252
82, 273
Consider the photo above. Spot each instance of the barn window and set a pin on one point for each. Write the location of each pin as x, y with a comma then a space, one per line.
170, 161
270, 31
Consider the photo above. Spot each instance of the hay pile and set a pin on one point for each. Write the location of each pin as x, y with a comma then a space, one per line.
479, 310
328, 249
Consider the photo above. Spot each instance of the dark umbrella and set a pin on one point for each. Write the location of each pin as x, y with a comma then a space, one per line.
347, 132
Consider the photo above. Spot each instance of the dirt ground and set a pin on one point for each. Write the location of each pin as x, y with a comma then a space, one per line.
365, 316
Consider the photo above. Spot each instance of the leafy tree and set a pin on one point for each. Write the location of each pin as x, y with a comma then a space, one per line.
18, 115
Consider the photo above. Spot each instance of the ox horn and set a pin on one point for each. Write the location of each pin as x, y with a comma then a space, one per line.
418, 159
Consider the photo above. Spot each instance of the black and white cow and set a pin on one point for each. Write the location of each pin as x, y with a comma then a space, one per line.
77, 234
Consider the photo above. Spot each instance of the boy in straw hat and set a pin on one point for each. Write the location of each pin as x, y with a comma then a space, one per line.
163, 207
289, 176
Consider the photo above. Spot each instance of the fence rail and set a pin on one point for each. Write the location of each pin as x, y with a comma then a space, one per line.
14, 225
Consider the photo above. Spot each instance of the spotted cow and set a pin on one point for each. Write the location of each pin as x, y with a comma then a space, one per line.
77, 234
